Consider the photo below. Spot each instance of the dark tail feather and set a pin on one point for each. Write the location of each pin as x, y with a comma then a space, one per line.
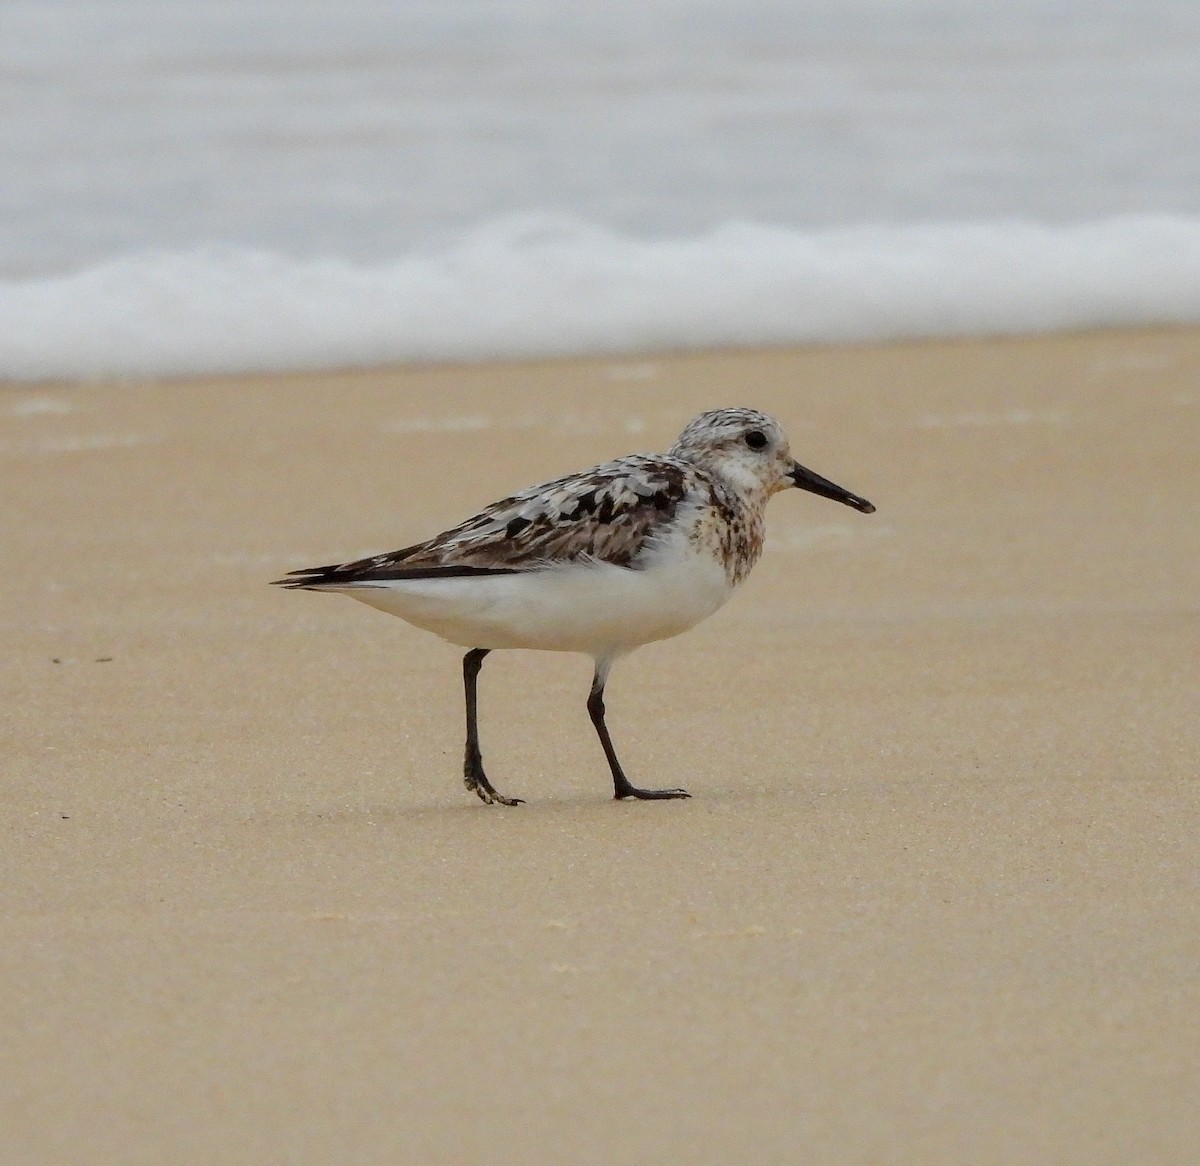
340, 574
307, 576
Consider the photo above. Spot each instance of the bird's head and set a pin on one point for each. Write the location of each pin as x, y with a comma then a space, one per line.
750, 450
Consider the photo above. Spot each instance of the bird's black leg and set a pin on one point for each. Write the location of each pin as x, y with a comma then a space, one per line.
473, 776
621, 786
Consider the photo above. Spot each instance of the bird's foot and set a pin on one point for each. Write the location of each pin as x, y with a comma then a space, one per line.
648, 795
486, 792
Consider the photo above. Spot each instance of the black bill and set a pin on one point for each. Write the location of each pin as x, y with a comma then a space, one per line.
815, 484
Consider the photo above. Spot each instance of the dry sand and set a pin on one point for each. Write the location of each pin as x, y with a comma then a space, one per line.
935, 899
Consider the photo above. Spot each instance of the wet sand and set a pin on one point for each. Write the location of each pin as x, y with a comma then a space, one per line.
935, 898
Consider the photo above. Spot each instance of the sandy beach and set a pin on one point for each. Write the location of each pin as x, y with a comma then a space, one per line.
936, 897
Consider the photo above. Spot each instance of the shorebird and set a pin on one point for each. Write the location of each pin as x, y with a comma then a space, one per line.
601, 562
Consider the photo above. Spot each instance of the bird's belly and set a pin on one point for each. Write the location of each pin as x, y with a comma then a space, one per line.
594, 608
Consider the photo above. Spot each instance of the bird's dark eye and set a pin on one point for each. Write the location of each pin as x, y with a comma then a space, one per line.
756, 439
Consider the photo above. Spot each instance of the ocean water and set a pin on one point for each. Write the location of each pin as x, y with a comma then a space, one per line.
193, 186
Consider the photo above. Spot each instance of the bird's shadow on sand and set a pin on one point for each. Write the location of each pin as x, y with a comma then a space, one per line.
541, 808
398, 813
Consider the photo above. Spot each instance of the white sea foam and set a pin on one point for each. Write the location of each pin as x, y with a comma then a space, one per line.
546, 286
198, 188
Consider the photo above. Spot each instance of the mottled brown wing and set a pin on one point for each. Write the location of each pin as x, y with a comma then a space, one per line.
609, 514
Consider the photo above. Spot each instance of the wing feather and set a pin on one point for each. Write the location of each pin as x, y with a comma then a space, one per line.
610, 514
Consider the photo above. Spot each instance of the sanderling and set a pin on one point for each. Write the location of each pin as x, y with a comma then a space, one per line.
600, 562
